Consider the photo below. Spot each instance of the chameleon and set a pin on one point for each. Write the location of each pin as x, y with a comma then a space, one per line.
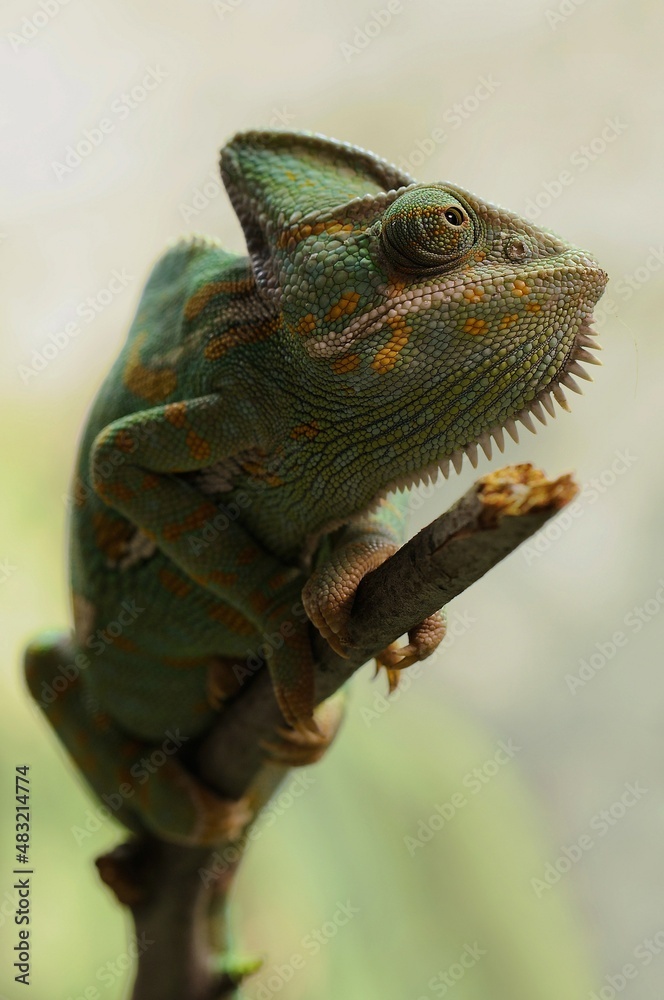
247, 459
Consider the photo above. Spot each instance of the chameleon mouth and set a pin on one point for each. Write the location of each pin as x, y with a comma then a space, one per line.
543, 405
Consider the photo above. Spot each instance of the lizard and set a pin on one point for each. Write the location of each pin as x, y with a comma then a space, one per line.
247, 459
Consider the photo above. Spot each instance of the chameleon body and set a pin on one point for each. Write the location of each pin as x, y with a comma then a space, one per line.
237, 473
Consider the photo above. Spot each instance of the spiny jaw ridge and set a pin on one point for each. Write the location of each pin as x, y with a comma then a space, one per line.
543, 401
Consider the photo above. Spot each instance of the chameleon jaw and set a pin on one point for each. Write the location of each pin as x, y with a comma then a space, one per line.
539, 407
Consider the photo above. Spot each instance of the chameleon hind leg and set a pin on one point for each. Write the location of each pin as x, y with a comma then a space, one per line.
144, 791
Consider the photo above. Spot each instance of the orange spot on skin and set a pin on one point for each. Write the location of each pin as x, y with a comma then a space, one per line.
117, 491
200, 448
257, 470
280, 579
124, 441
308, 431
301, 232
480, 255
195, 519
386, 357
394, 287
221, 579
125, 644
152, 384
474, 326
176, 414
338, 227
520, 288
259, 602
474, 293
173, 583
344, 307
215, 348
231, 619
306, 325
508, 320
532, 307
220, 343
348, 364
198, 301
111, 534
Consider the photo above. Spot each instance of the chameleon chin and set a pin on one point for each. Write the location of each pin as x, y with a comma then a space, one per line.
378, 331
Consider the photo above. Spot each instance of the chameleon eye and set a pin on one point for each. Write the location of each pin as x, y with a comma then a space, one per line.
426, 230
455, 216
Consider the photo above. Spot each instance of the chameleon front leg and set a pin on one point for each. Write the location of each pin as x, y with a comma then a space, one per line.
351, 553
134, 463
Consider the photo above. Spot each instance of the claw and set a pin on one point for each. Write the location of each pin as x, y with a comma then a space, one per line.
393, 676
299, 746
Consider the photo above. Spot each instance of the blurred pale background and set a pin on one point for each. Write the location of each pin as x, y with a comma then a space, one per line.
552, 108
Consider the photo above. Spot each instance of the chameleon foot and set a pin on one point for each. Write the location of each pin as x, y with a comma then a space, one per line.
298, 747
329, 593
222, 681
424, 639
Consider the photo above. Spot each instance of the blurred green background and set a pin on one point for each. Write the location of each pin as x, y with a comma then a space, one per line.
552, 108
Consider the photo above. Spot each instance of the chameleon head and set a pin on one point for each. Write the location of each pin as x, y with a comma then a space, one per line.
428, 318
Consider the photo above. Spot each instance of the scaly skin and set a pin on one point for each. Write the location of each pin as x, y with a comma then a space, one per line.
257, 419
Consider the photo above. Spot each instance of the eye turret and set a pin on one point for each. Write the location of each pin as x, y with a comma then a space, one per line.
427, 230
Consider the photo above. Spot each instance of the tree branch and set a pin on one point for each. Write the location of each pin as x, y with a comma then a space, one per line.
176, 894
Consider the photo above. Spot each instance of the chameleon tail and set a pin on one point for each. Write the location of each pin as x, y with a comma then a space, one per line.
145, 788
